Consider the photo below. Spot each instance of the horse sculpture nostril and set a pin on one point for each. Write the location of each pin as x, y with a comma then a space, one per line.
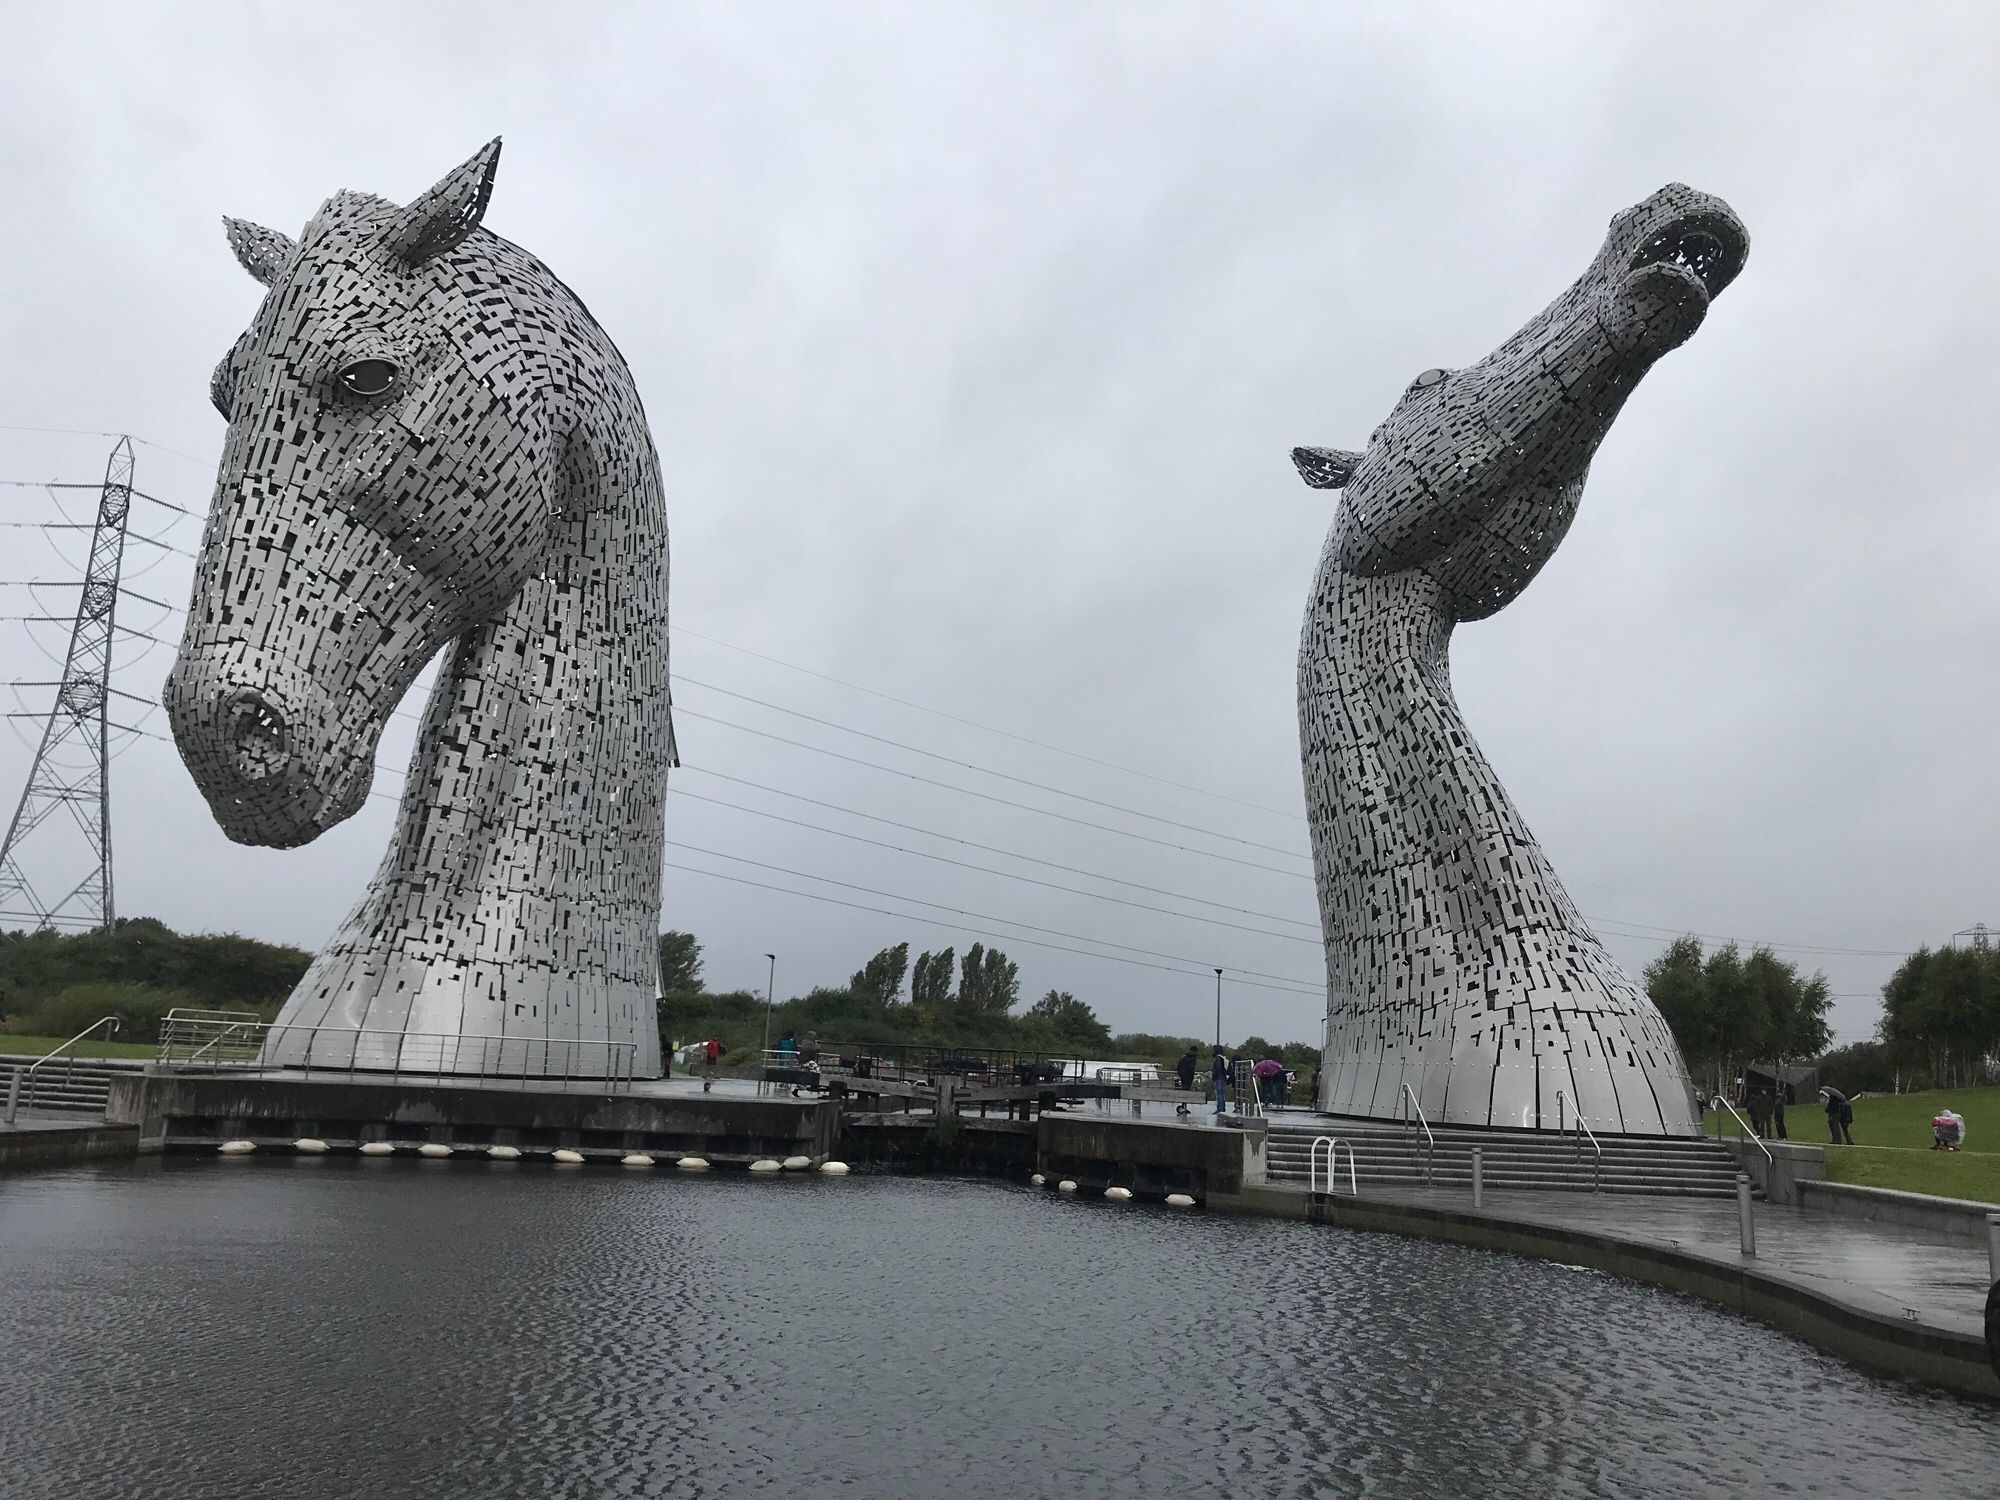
259, 742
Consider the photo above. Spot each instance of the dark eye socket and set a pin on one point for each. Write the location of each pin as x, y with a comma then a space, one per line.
1427, 379
368, 377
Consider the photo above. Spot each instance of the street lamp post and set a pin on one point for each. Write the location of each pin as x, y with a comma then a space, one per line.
770, 999
1218, 1010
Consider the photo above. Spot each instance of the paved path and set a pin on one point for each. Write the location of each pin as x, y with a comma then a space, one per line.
1886, 1267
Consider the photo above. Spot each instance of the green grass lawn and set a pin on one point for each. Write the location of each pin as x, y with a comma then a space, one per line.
1893, 1143
35, 1046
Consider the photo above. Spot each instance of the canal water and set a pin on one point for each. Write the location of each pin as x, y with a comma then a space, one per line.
332, 1328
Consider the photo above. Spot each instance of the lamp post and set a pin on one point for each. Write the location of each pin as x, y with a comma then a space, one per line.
1218, 1010
770, 999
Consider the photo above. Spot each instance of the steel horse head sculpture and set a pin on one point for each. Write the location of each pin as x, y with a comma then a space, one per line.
434, 448
1457, 965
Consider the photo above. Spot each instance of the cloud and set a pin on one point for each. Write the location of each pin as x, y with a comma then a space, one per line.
974, 342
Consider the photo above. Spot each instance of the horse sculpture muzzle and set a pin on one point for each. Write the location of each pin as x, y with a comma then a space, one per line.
265, 745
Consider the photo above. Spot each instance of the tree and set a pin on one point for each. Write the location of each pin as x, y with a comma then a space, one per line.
680, 964
880, 980
1941, 1014
930, 984
1072, 1021
1726, 1010
989, 983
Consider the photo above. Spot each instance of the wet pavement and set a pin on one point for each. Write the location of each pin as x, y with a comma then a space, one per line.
1878, 1267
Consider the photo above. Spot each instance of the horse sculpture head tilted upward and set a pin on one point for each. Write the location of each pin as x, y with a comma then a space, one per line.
432, 445
1457, 966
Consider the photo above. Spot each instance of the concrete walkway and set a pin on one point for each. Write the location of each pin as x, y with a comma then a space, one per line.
1883, 1268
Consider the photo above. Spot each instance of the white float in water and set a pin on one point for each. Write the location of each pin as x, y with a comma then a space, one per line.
312, 1145
797, 1163
1038, 1179
378, 1148
693, 1164
237, 1148
767, 1165
1179, 1200
569, 1158
636, 1159
834, 1168
504, 1153
1066, 1186
1118, 1194
433, 1148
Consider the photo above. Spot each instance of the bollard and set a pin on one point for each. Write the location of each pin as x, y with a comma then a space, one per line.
1993, 1247
1478, 1178
1745, 1224
14, 1091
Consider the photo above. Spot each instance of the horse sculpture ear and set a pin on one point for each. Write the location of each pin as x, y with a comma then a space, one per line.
264, 253
441, 219
1325, 468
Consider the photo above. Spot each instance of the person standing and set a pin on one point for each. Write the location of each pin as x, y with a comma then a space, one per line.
1779, 1100
711, 1055
1187, 1066
1839, 1116
1221, 1073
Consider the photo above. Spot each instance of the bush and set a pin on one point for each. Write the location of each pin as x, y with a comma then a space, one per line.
139, 1008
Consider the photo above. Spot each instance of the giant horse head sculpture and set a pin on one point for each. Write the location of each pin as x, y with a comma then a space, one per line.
1459, 972
433, 446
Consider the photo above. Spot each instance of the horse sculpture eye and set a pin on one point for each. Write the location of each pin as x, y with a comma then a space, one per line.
1428, 378
367, 377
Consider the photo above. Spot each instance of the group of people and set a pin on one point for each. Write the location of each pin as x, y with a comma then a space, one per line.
1764, 1098
1274, 1081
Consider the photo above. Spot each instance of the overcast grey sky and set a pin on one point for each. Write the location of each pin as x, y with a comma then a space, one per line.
974, 339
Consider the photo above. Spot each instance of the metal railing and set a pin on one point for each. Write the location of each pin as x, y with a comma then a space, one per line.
1405, 1102
221, 1035
1247, 1087
23, 1079
1332, 1145
1563, 1104
215, 1042
1742, 1124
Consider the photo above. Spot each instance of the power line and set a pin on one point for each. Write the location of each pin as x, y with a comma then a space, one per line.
1003, 874
1130, 812
978, 932
985, 728
1047, 864
959, 911
966, 791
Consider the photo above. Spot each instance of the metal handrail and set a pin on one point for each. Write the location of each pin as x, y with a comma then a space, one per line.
1243, 1077
1743, 1125
1406, 1102
1333, 1145
1563, 1101
219, 1038
22, 1075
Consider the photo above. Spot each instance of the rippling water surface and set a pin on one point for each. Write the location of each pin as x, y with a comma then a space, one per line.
339, 1328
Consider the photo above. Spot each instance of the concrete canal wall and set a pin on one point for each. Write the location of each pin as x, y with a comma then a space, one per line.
195, 1109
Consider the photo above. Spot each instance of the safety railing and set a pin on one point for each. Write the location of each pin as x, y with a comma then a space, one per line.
1563, 1105
1248, 1088
1406, 1102
23, 1080
214, 1037
212, 1042
1332, 1145
1742, 1124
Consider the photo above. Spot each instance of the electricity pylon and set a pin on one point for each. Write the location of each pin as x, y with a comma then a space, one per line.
77, 721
